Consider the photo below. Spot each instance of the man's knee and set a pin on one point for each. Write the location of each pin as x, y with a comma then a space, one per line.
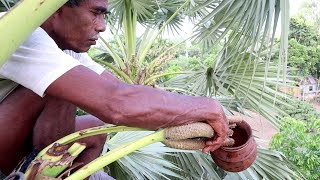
89, 121
55, 121
94, 144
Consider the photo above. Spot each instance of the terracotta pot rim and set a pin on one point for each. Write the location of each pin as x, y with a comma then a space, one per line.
249, 133
236, 159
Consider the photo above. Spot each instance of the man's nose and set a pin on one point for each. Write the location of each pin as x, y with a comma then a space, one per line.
100, 25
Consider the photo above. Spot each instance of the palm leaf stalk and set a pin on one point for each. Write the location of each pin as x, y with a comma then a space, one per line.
115, 154
54, 163
89, 132
174, 137
149, 162
15, 26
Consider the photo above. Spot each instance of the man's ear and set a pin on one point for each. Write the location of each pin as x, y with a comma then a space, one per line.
49, 23
59, 10
57, 14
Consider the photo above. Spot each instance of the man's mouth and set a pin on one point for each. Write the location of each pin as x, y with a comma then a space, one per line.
93, 41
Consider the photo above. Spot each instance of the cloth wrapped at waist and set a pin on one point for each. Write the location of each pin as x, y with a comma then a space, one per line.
6, 87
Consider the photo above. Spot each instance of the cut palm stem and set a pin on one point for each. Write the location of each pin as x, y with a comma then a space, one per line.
89, 132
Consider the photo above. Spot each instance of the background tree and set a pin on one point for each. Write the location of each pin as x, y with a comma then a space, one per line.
311, 12
304, 47
299, 141
303, 31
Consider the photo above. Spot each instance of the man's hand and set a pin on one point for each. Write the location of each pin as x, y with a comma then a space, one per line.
220, 127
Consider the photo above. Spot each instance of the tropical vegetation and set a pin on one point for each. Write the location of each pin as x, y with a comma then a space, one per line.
304, 48
300, 142
299, 138
239, 71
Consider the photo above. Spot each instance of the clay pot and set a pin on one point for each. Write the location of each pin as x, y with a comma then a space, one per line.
241, 155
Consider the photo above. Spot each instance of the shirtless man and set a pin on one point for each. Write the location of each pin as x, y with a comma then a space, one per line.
54, 75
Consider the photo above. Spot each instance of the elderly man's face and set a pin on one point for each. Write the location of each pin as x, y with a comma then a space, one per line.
77, 28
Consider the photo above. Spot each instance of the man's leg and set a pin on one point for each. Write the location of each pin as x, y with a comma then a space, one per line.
25, 117
95, 143
58, 120
18, 114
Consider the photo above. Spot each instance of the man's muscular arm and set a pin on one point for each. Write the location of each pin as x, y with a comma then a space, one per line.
110, 77
133, 105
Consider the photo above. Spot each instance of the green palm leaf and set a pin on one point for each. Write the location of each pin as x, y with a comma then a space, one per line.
7, 4
146, 163
151, 162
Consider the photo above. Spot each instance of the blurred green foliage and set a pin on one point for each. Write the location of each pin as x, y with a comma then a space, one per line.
300, 142
304, 48
80, 112
301, 110
299, 138
192, 58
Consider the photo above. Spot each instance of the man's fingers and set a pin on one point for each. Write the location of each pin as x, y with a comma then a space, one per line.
213, 145
230, 132
208, 149
232, 126
228, 142
223, 132
234, 119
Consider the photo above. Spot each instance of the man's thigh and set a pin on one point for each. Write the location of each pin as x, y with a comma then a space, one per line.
28, 121
18, 113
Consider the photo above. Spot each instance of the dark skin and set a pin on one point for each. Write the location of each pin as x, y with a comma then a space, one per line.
77, 28
105, 97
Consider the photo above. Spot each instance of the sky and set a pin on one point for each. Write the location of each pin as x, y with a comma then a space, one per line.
295, 5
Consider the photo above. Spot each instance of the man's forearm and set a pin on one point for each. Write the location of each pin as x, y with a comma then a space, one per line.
115, 102
151, 108
142, 106
110, 77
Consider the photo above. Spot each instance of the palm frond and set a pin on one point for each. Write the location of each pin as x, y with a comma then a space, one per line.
162, 15
234, 18
146, 163
151, 14
257, 92
7, 4
197, 165
159, 162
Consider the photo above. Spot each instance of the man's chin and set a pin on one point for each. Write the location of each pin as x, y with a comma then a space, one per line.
81, 50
